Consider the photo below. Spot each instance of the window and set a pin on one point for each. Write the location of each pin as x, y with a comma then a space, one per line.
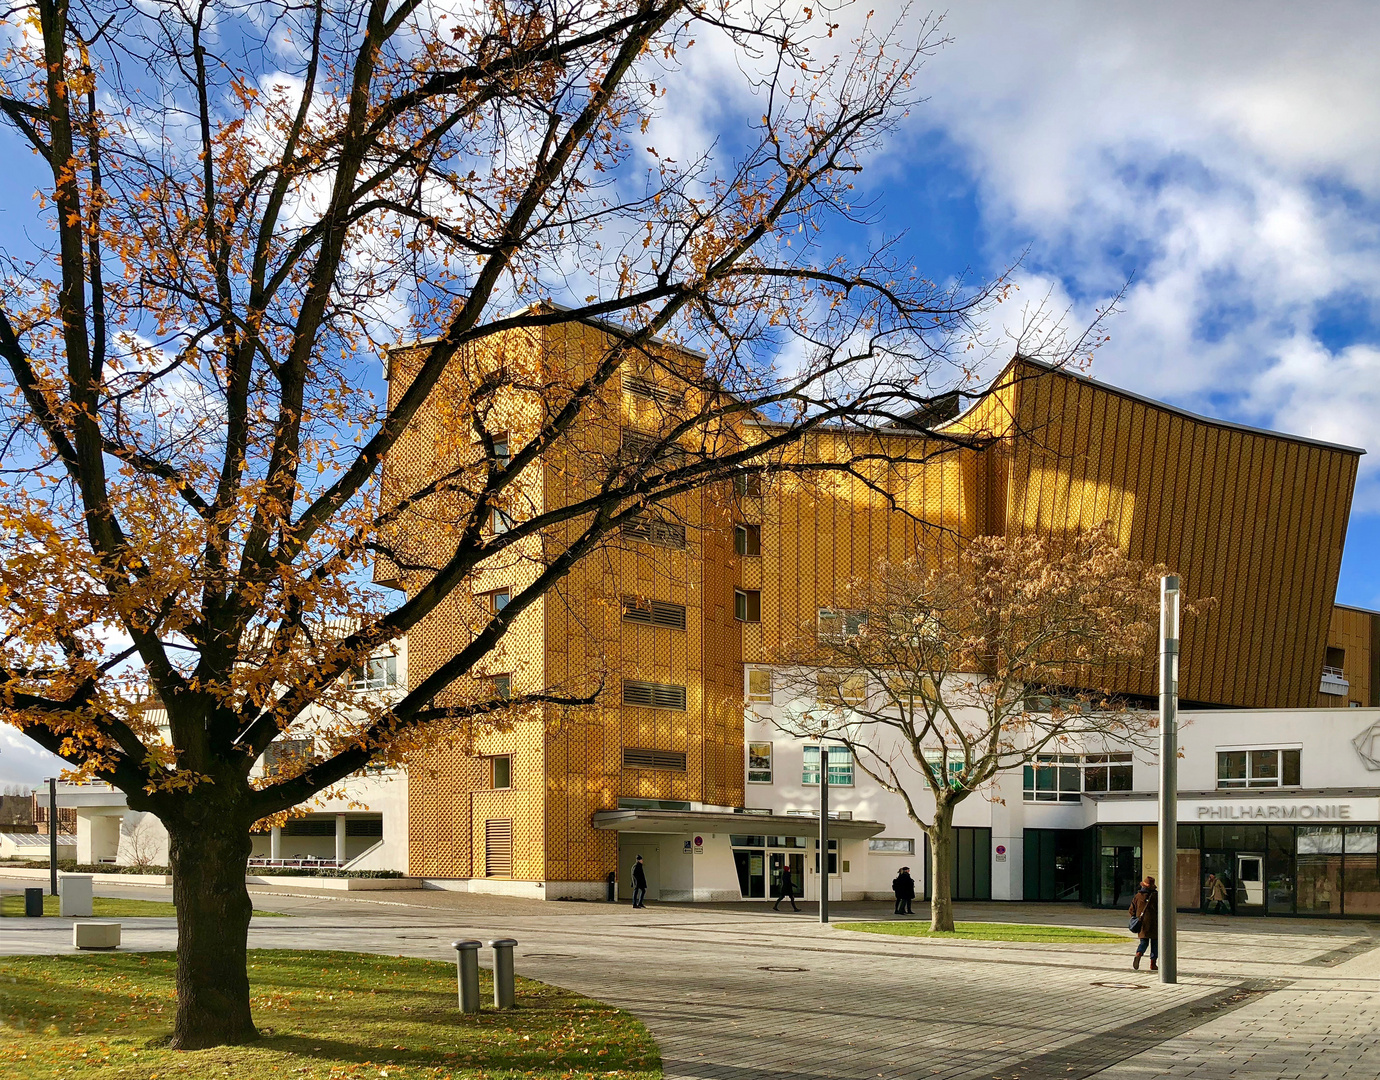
654, 804
747, 605
891, 847
747, 539
840, 767
639, 448
501, 772
650, 695
499, 522
759, 762
1107, 772
759, 684
640, 758
376, 673
501, 454
834, 688
840, 625
936, 761
748, 485
501, 686
643, 387
655, 530
1054, 778
1258, 768
496, 601
1334, 661
282, 752
654, 612
498, 848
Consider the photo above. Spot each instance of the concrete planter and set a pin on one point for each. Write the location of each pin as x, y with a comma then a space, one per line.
292, 881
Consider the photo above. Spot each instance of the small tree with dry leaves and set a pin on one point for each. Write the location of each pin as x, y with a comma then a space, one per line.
940, 678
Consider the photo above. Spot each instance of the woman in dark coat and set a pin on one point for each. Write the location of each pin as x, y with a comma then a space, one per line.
1146, 905
904, 888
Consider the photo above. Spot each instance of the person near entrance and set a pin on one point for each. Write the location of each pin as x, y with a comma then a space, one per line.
1216, 896
904, 888
1145, 916
787, 887
639, 880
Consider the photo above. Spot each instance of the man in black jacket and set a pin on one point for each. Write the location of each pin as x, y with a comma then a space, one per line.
639, 880
787, 888
904, 888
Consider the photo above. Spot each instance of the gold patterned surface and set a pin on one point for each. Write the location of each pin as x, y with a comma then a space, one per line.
1254, 519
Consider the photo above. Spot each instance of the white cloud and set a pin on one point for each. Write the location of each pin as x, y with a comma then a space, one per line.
1229, 153
23, 761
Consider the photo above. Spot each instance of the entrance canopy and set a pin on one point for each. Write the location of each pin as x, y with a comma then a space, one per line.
686, 821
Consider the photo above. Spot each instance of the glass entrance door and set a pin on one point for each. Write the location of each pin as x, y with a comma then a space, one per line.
1250, 883
1219, 883
752, 876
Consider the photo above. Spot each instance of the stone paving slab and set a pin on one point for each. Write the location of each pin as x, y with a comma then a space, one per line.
741, 993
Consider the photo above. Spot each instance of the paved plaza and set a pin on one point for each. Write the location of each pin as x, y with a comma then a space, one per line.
740, 992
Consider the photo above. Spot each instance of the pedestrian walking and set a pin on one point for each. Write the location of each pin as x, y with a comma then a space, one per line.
1216, 895
639, 880
787, 888
1145, 920
904, 887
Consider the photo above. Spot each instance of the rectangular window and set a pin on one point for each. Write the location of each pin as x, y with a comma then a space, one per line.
499, 522
840, 767
1107, 772
376, 673
759, 762
501, 454
640, 758
839, 688
640, 448
284, 753
889, 846
759, 684
498, 848
747, 605
1258, 768
840, 625
936, 761
1053, 778
501, 772
656, 530
501, 686
747, 539
496, 601
748, 485
654, 612
644, 387
650, 695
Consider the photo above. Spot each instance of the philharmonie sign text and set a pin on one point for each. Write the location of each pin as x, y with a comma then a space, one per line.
1302, 812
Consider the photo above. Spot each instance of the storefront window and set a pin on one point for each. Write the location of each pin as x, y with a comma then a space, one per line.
1319, 870
1279, 871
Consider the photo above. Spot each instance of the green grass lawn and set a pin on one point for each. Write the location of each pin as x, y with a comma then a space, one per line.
332, 1016
986, 931
103, 907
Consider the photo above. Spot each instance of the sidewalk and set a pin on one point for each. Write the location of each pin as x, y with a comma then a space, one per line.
743, 993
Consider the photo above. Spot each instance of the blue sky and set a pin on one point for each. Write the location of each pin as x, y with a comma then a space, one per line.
1225, 158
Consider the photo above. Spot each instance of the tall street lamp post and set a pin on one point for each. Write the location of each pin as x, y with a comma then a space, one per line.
1169, 776
823, 832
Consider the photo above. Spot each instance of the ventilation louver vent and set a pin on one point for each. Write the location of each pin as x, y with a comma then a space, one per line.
651, 695
654, 612
638, 758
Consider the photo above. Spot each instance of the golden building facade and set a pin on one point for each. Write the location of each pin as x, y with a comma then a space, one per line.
1253, 518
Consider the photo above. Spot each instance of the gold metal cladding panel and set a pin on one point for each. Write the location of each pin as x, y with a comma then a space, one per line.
1254, 519
1355, 631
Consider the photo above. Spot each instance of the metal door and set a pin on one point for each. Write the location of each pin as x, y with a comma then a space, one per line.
1250, 881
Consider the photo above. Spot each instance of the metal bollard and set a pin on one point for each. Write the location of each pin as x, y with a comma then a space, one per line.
467, 962
33, 902
504, 993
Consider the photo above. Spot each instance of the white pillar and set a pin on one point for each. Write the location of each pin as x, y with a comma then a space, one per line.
275, 843
340, 839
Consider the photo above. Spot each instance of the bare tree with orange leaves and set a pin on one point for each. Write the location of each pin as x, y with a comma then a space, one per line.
941, 677
242, 206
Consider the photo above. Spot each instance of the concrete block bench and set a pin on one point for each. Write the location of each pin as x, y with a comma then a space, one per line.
96, 935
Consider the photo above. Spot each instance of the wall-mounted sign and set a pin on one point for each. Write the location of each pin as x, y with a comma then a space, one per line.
698, 848
688, 848
1276, 812
1001, 849
1366, 749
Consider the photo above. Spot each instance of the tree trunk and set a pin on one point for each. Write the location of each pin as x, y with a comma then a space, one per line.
941, 835
208, 857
